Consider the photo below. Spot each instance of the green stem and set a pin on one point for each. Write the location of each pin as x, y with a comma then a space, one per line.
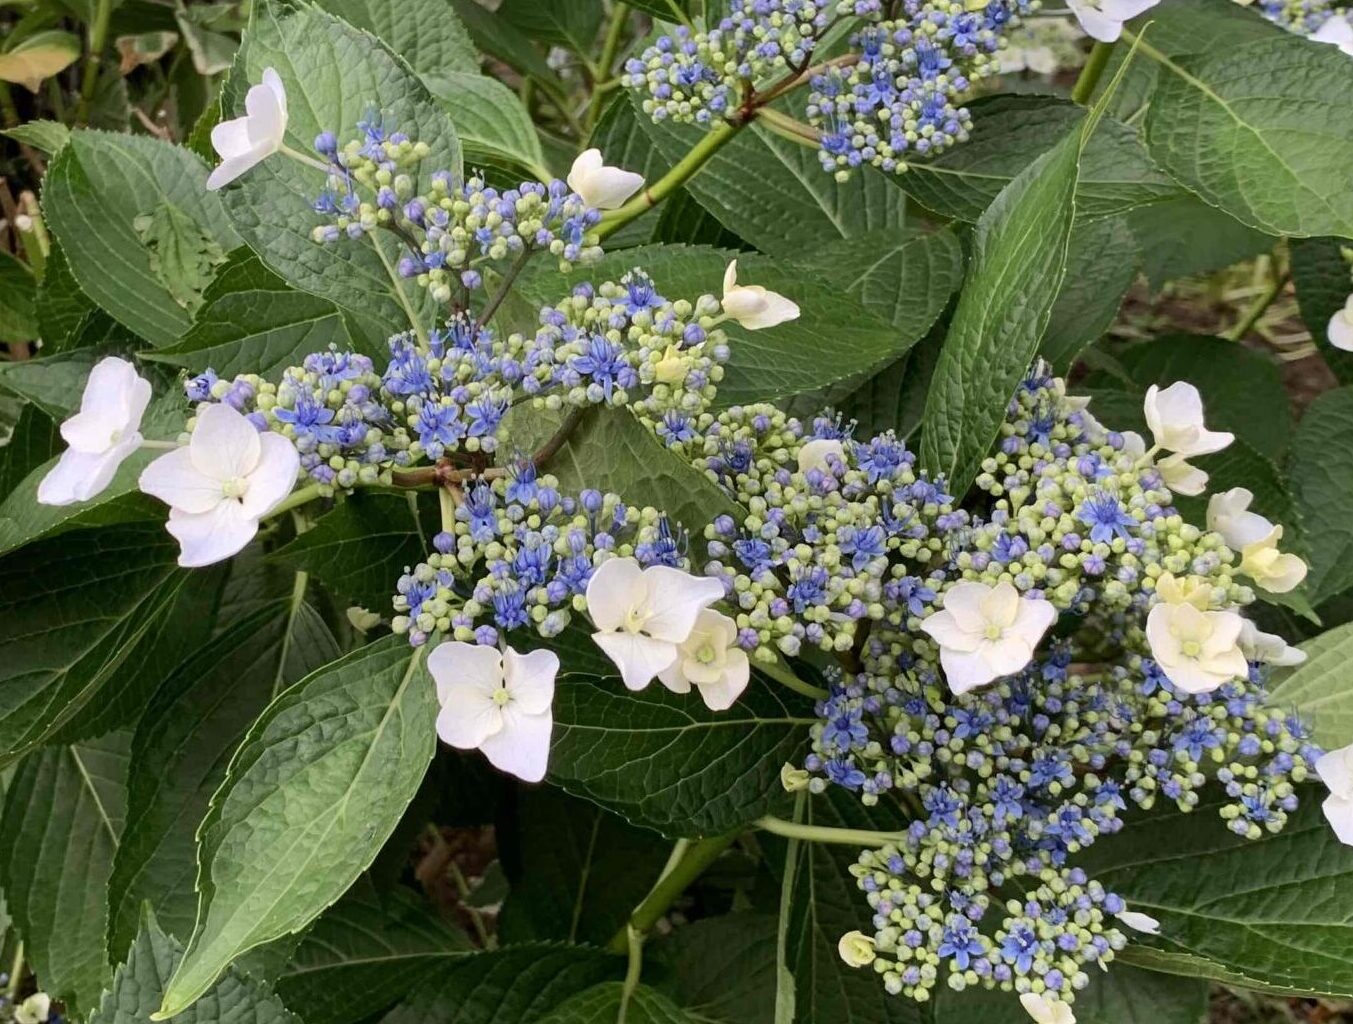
784, 980
789, 128
824, 834
296, 499
15, 973
1091, 73
780, 672
619, 18
689, 860
98, 38
1259, 307
613, 220
504, 286
634, 968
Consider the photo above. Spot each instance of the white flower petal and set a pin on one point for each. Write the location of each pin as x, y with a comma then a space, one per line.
273, 477
638, 657
944, 627
114, 399
1335, 769
1033, 619
1144, 923
1340, 332
600, 186
616, 586
1096, 23
79, 476
522, 746
265, 108
467, 724
176, 480
209, 537
730, 276
231, 138
675, 599
965, 671
774, 309
1337, 30
224, 445
232, 167
737, 673
1181, 476
530, 679
460, 669
1339, 813
966, 603
815, 454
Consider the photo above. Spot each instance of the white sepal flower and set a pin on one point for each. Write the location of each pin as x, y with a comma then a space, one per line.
1269, 648
1338, 31
987, 632
643, 615
1198, 651
1274, 570
1340, 331
1103, 19
1181, 476
1336, 772
1175, 416
814, 454
1256, 539
600, 186
856, 949
710, 660
227, 478
101, 435
1228, 513
1144, 923
500, 704
34, 1010
243, 142
751, 305
1045, 1009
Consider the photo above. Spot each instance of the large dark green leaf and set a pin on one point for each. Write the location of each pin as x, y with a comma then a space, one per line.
182, 745
334, 74
1318, 689
1258, 131
317, 786
601, 1005
95, 190
18, 300
426, 33
1181, 237
366, 952
1323, 279
1102, 263
721, 968
1321, 470
62, 818
32, 442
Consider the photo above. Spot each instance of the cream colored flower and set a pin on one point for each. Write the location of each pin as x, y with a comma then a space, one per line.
600, 186
1336, 772
1046, 1009
244, 142
987, 632
1175, 416
1256, 539
710, 660
1144, 923
856, 949
1198, 651
751, 305
1194, 590
815, 454
1269, 648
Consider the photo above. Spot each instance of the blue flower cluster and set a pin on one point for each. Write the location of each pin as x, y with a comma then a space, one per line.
520, 554
1301, 16
903, 97
455, 230
331, 407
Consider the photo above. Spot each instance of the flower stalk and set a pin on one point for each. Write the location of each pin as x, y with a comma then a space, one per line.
690, 858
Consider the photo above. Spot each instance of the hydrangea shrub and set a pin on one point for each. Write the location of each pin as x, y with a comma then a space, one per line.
713, 566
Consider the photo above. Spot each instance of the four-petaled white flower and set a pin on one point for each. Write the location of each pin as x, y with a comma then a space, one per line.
856, 949
710, 660
1198, 650
1340, 330
101, 435
1103, 19
986, 632
1256, 539
1045, 1009
1336, 772
1138, 922
34, 1010
643, 615
600, 186
751, 305
1338, 31
816, 454
1268, 647
500, 704
221, 484
1175, 416
243, 142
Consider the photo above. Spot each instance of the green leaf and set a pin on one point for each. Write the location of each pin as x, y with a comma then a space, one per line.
360, 549
1019, 259
1102, 264
495, 36
1318, 689
517, 985
1009, 134
364, 953
48, 136
612, 451
601, 1005
334, 74
52, 383
182, 745
1275, 912
62, 308
722, 969
1270, 107
253, 322
1320, 467
578, 871
18, 294
671, 764
182, 257
570, 23
33, 441
1323, 279
96, 188
139, 983
784, 360
489, 118
63, 814
72, 611
1122, 995
1182, 237
773, 193
317, 786
426, 33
